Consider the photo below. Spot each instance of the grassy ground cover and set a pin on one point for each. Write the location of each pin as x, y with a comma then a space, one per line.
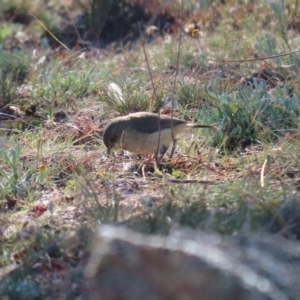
230, 63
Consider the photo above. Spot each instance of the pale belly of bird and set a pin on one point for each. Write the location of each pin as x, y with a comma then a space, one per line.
141, 143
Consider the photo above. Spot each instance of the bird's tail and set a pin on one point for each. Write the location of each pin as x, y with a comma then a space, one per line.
193, 125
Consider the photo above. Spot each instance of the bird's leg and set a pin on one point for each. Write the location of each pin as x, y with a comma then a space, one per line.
163, 151
173, 147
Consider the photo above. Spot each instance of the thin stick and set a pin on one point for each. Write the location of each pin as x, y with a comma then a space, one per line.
255, 59
173, 147
262, 183
143, 172
154, 94
72, 21
175, 80
148, 65
194, 181
53, 36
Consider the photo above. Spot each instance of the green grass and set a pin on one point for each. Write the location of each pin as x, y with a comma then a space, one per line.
8, 30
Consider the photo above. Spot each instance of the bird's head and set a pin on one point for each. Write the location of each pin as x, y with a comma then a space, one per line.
111, 137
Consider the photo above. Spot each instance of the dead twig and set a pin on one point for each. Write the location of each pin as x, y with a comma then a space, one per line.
255, 59
185, 181
262, 173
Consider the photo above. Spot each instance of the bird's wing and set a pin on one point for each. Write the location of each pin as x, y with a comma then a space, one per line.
150, 124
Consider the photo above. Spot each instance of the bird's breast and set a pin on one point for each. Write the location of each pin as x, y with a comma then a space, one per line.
146, 143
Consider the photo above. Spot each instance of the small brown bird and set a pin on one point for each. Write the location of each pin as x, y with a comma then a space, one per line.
139, 132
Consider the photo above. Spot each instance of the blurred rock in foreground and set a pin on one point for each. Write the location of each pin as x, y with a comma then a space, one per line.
189, 265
